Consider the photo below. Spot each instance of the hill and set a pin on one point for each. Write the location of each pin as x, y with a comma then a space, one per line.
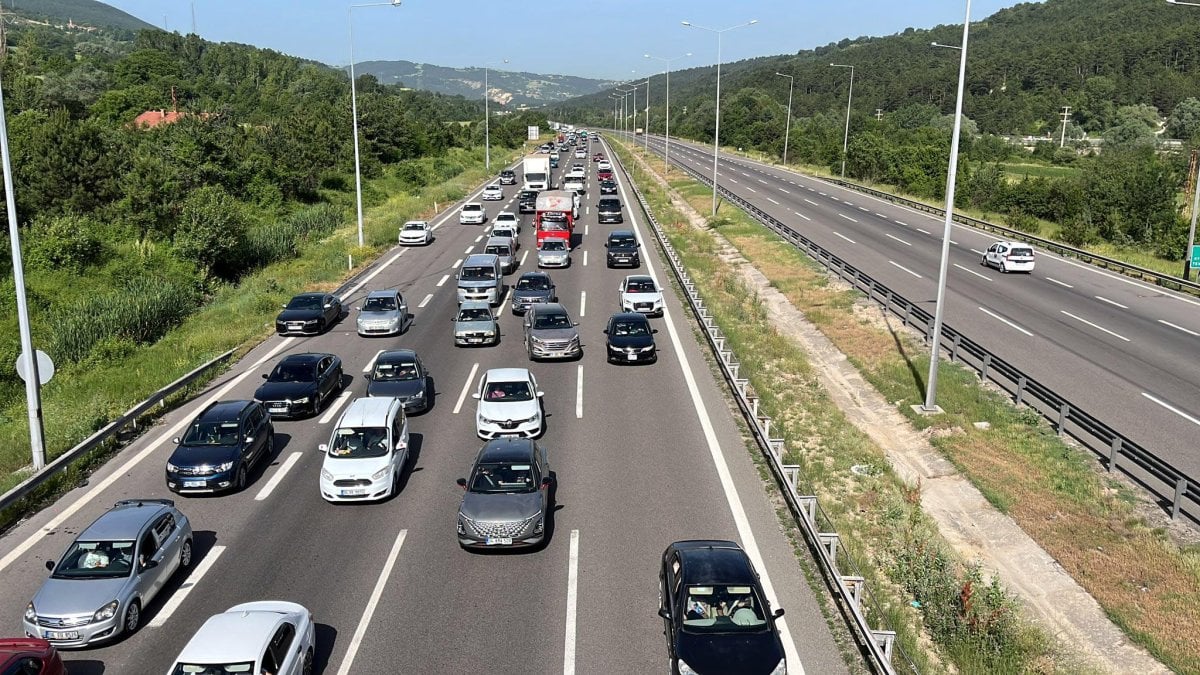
84, 13
507, 87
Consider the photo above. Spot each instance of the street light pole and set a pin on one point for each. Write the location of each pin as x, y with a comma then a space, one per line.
717, 126
849, 98
930, 405
487, 122
667, 151
354, 113
787, 129
1187, 252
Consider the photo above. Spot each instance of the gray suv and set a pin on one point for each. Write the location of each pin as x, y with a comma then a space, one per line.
108, 575
550, 333
508, 497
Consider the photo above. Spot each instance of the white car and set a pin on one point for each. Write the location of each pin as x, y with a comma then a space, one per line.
639, 293
575, 184
580, 153
507, 218
604, 165
472, 213
493, 193
1009, 256
367, 452
268, 636
510, 404
416, 233
504, 230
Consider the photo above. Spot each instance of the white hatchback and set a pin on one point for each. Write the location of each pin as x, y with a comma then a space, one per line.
268, 636
1009, 256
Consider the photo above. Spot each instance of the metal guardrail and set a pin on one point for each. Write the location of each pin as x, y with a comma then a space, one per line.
836, 562
1174, 488
65, 460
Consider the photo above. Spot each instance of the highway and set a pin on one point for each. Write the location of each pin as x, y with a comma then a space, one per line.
1123, 350
643, 456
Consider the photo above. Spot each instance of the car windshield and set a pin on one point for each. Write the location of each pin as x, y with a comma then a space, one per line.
380, 304
499, 249
478, 273
552, 320
305, 302
610, 204
623, 242
213, 668
504, 477
533, 284
554, 245
723, 609
554, 217
359, 442
640, 286
630, 328
294, 372
474, 314
395, 371
415, 226
96, 560
508, 391
212, 433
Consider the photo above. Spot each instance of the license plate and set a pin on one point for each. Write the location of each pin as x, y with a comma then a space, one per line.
499, 541
355, 492
62, 635
474, 340
193, 483
631, 357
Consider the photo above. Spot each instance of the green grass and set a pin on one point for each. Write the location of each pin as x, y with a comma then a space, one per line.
1015, 171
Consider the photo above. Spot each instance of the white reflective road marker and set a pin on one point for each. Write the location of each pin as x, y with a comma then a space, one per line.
380, 583
466, 387
168, 608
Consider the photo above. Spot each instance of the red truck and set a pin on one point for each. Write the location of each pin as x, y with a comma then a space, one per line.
554, 215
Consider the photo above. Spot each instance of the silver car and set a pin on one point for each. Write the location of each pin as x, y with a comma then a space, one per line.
553, 253
474, 324
383, 313
108, 575
509, 496
550, 333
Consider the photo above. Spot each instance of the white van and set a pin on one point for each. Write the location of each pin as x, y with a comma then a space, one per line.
481, 278
367, 451
1009, 256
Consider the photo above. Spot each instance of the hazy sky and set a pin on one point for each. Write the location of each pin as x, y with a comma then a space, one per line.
587, 38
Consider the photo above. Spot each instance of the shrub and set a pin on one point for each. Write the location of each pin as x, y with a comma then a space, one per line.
1019, 220
68, 241
316, 222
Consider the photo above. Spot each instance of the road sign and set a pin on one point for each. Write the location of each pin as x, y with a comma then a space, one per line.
44, 365
533, 133
1196, 256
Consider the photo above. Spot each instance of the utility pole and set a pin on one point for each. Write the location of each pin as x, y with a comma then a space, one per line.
1066, 115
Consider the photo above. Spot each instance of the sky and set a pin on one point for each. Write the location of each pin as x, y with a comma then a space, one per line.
586, 38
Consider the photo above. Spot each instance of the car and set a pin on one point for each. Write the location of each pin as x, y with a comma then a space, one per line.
554, 154
578, 169
508, 496
598, 157
575, 184
604, 165
554, 253
300, 384
604, 174
1009, 256
415, 233
383, 313
220, 447
29, 656
510, 404
474, 324
630, 339
367, 451
399, 373
505, 231
623, 249
640, 293
717, 618
532, 288
550, 333
507, 218
472, 213
508, 177
553, 162
265, 636
544, 148
493, 193
504, 248
608, 210
109, 573
608, 187
580, 153
309, 314
527, 201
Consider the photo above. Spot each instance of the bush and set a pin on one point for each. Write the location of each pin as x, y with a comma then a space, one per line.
1019, 220
140, 313
316, 222
270, 242
69, 241
210, 231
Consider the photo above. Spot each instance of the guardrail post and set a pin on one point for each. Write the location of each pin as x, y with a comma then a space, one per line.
1064, 409
885, 639
1180, 488
734, 367
766, 425
954, 348
1114, 453
753, 406
987, 363
855, 586
830, 541
1020, 387
807, 503
777, 447
907, 314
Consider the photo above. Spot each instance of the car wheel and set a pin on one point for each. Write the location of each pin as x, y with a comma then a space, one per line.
239, 483
185, 555
133, 617
1003, 268
983, 261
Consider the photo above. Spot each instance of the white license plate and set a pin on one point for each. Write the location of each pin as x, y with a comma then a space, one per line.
474, 340
499, 541
62, 635
631, 357
193, 483
355, 492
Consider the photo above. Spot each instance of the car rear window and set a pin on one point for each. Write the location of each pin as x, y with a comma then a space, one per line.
1022, 252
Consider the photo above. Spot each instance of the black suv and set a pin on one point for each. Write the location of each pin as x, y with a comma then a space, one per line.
717, 617
527, 201
608, 187
609, 210
623, 248
220, 447
508, 177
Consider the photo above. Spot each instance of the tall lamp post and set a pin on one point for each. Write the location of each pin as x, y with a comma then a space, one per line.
354, 113
930, 405
635, 112
625, 109
487, 121
787, 130
667, 152
849, 98
1191, 245
717, 128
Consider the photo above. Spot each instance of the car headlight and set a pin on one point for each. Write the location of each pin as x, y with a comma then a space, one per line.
684, 669
486, 420
30, 613
540, 527
462, 527
574, 340
780, 668
301, 401
648, 349
310, 321
224, 466
172, 468
106, 612
381, 473
326, 475
537, 340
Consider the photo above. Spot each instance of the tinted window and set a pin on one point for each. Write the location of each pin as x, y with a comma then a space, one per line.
554, 245
212, 433
395, 371
623, 242
630, 328
293, 372
504, 477
474, 314
549, 320
1022, 252
305, 302
533, 283
508, 391
478, 273
282, 642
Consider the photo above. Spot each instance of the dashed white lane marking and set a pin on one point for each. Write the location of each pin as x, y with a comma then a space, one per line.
457, 263
752, 190
582, 303
504, 301
923, 230
976, 251
1004, 320
361, 630
847, 217
477, 240
801, 214
371, 362
168, 608
585, 229
734, 181
763, 181
335, 407
572, 604
1172, 408
772, 201
896, 264
845, 237
1114, 303
905, 224
810, 201
1189, 332
1093, 325
881, 215
1060, 283
896, 239
466, 387
863, 208
425, 301
585, 258
579, 392
278, 477
524, 257
967, 269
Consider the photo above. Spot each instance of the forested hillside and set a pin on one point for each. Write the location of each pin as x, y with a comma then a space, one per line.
81, 12
506, 86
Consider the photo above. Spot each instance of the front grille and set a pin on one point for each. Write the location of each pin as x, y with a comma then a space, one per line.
352, 482
556, 344
509, 529
197, 470
643, 305
63, 622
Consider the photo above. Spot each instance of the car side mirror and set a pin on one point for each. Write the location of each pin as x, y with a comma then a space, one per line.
367, 377
50, 565
175, 440
546, 481
284, 306
249, 439
475, 396
357, 309
462, 483
778, 613
541, 394
574, 323
664, 613
265, 376
324, 447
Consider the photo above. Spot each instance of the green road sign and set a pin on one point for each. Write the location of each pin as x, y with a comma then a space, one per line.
1196, 256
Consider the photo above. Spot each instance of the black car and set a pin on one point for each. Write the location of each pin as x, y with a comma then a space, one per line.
608, 210
300, 384
220, 447
623, 248
717, 618
508, 177
309, 314
532, 287
630, 339
527, 201
399, 373
608, 187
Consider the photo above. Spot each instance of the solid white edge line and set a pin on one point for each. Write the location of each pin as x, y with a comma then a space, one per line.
845, 237
1096, 326
1172, 408
1004, 320
168, 608
1177, 327
369, 612
572, 604
425, 301
443, 280
278, 477
1060, 283
847, 217
334, 407
971, 271
896, 264
582, 303
1114, 303
466, 387
371, 361
889, 236
579, 393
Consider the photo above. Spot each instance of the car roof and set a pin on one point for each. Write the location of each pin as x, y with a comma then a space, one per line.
396, 356
475, 205
714, 561
383, 294
416, 222
506, 215
630, 317
368, 410
306, 357
314, 294
223, 410
231, 637
507, 375
548, 308
126, 519
498, 241
639, 277
506, 450
620, 233
480, 259
1012, 244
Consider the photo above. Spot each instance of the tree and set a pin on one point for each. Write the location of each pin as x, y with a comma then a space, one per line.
1184, 121
1134, 126
210, 231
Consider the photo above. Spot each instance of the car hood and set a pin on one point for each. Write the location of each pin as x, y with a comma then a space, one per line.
472, 326
501, 507
361, 467
402, 389
508, 410
730, 652
299, 314
554, 333
64, 597
631, 340
644, 297
197, 455
382, 315
277, 391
